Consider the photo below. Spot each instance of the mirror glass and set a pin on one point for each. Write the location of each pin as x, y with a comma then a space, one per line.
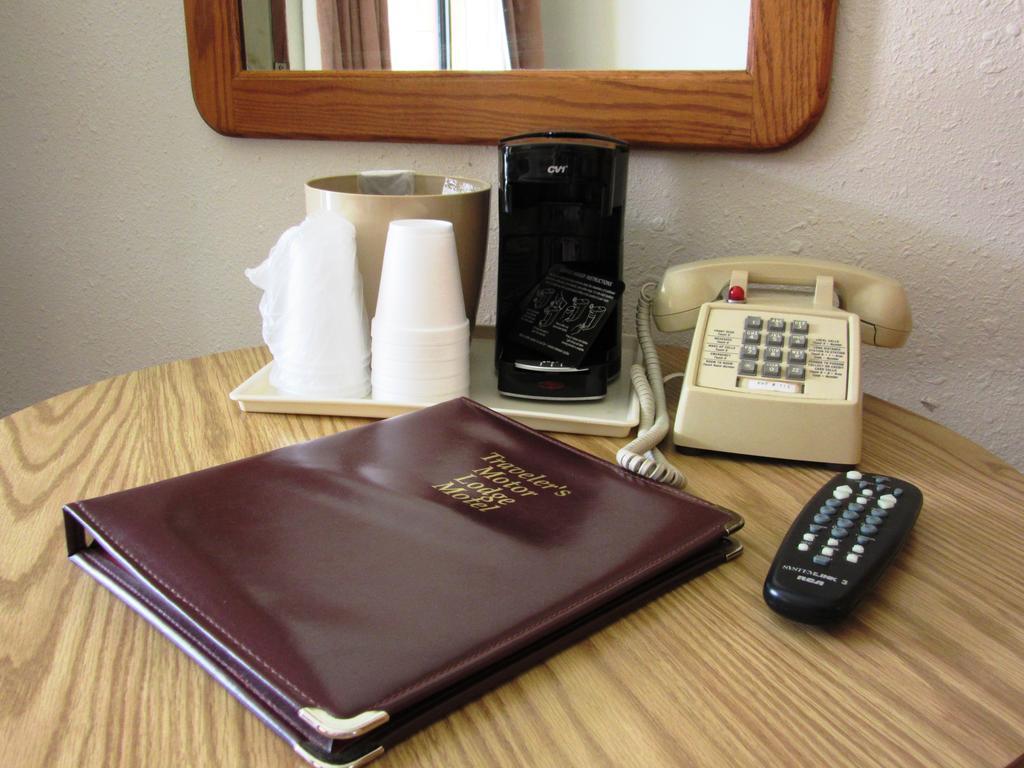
495, 35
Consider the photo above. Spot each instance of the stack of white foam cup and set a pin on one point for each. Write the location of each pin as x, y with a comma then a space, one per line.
420, 334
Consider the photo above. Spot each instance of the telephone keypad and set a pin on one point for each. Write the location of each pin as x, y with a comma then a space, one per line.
774, 354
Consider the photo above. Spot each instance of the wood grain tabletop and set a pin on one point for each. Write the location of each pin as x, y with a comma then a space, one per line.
928, 672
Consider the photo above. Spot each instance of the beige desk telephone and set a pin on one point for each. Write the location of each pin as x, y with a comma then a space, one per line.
773, 371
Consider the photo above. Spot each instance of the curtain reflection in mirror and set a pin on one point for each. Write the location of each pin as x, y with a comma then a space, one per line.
478, 35
489, 35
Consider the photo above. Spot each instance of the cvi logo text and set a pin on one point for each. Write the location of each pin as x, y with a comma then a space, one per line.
557, 169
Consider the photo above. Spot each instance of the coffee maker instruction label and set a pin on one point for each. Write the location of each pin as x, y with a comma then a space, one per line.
564, 313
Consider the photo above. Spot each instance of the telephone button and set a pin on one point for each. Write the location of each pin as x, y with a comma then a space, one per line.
799, 326
749, 352
775, 340
776, 324
752, 323
798, 342
797, 356
796, 372
771, 370
773, 354
751, 337
748, 368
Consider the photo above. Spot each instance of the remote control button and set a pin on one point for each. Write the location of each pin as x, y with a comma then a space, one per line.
752, 322
826, 510
749, 352
822, 519
869, 530
845, 489
822, 560
775, 339
873, 520
853, 474
881, 488
798, 342
809, 537
748, 368
840, 495
772, 354
833, 503
857, 549
864, 539
828, 551
850, 515
833, 542
813, 528
852, 558
878, 512
898, 492
845, 522
776, 324
867, 492
862, 499
839, 533
863, 484
799, 326
886, 504
888, 497
881, 479
751, 337
855, 507
803, 546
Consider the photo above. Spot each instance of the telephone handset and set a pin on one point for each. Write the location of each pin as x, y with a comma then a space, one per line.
773, 371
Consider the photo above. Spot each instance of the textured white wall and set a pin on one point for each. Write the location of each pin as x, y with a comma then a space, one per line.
125, 222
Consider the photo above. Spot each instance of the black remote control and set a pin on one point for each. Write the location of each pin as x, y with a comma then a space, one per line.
839, 545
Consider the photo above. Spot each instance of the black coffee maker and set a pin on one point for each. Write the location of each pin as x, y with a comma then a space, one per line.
561, 201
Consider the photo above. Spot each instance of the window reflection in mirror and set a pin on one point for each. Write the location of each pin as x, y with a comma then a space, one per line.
487, 35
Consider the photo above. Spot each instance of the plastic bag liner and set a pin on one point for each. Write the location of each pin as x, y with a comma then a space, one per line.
314, 319
403, 183
386, 183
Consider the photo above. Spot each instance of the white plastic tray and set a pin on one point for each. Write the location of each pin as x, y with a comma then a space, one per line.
614, 416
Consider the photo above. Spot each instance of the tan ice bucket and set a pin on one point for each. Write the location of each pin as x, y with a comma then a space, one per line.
467, 208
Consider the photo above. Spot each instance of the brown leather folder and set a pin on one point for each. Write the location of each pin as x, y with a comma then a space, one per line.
352, 589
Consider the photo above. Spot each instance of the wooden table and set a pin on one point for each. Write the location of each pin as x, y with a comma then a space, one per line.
929, 671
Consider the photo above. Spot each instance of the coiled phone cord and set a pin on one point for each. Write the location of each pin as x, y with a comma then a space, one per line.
642, 456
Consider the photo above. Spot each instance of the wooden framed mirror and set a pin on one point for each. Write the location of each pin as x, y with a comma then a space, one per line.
774, 102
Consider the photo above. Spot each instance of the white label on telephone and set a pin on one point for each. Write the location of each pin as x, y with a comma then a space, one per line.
760, 385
